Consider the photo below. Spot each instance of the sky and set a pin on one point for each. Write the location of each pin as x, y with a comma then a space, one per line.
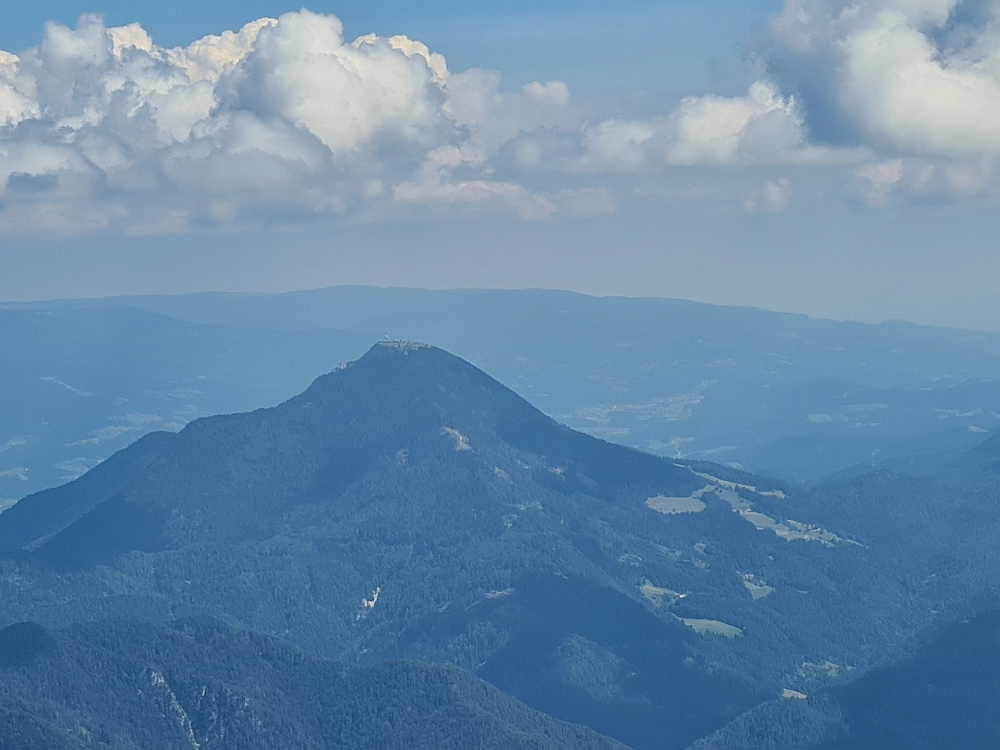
816, 156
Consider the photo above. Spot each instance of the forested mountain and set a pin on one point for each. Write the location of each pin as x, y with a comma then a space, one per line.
409, 506
122, 685
943, 696
793, 396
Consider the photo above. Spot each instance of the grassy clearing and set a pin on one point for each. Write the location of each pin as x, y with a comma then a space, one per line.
657, 595
712, 627
672, 506
758, 590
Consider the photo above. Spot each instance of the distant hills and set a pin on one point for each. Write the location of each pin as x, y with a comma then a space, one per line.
120, 685
795, 397
82, 381
409, 506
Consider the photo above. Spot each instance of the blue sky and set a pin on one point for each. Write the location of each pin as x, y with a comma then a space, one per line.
780, 153
672, 45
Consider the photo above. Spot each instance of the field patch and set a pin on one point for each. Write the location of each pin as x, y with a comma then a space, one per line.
657, 595
672, 506
788, 530
758, 590
712, 627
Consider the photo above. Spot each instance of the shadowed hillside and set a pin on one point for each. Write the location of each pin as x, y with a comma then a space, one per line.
200, 683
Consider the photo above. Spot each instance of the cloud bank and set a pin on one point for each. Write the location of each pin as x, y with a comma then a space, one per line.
917, 82
906, 91
101, 128
285, 119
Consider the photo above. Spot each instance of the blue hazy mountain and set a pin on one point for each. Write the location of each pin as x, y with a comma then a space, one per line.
82, 381
772, 392
409, 506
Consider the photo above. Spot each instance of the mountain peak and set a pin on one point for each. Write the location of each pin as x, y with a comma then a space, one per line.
404, 413
399, 345
400, 351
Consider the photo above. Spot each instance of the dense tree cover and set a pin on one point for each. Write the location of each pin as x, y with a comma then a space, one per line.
784, 724
19, 730
944, 695
124, 685
408, 506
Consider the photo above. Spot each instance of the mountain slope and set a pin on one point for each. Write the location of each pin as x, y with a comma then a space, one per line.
792, 395
49, 511
120, 685
407, 505
943, 695
83, 380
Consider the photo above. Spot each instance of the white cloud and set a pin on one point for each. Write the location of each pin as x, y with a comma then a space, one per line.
20, 473
13, 443
436, 188
285, 119
882, 179
552, 92
301, 71
762, 127
619, 146
75, 467
720, 130
907, 75
904, 93
476, 194
774, 196
131, 423
102, 128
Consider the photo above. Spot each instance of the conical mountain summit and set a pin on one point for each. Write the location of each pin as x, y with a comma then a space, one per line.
407, 505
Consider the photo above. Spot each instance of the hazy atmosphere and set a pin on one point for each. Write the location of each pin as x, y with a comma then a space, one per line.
500, 376
822, 157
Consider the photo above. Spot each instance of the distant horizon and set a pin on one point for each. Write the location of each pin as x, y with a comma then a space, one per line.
499, 290
770, 153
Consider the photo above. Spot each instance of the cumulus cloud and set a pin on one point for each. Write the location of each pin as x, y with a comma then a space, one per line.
774, 195
103, 128
905, 93
762, 127
880, 178
285, 119
919, 77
